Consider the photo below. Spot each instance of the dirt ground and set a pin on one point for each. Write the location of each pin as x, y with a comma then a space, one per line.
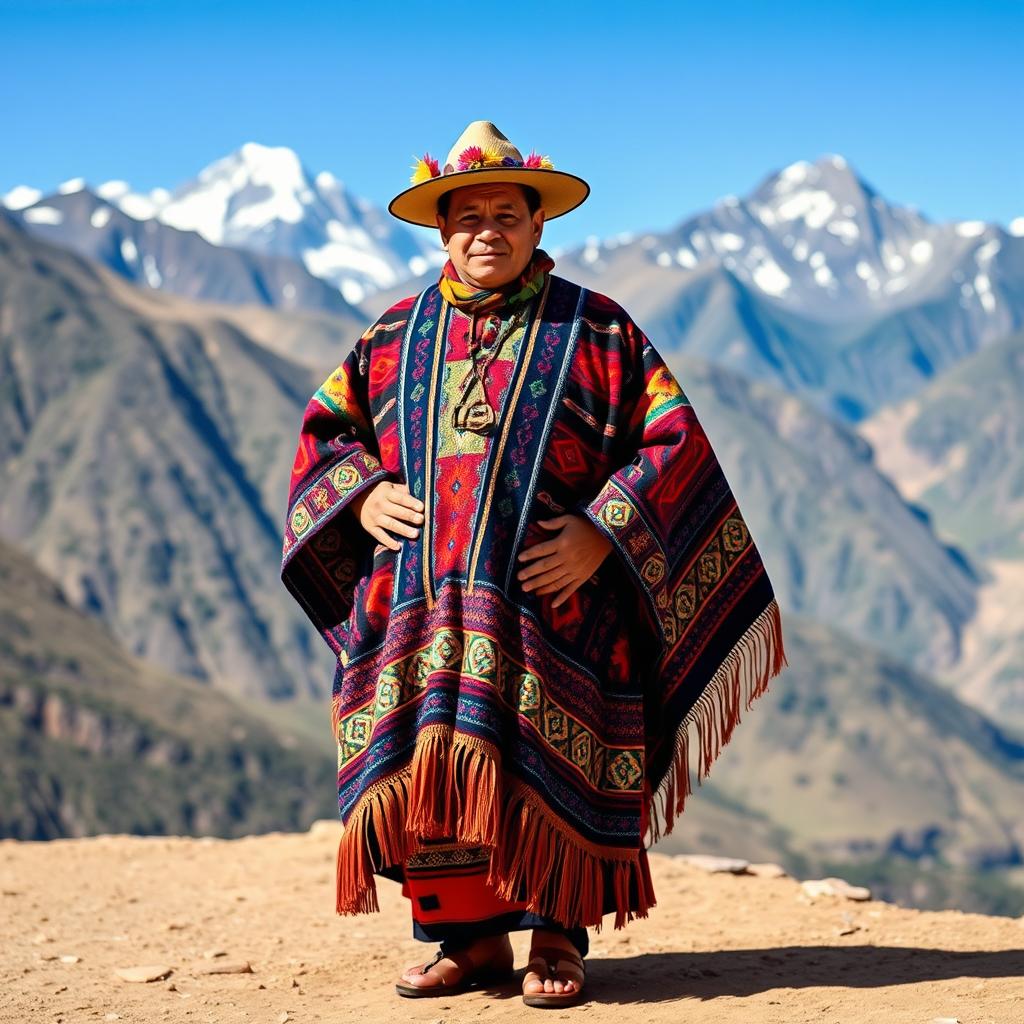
718, 947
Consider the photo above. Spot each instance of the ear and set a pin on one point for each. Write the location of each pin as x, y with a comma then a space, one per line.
538, 225
440, 227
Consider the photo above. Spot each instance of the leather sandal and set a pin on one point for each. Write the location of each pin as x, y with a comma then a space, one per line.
499, 968
551, 957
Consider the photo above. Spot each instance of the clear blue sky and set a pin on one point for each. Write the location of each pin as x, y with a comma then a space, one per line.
663, 107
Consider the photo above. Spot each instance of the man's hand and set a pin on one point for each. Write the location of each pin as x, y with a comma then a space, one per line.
391, 505
565, 561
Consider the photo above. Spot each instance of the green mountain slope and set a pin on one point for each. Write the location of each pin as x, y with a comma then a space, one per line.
96, 741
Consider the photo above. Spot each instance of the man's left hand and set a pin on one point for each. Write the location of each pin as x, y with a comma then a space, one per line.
565, 561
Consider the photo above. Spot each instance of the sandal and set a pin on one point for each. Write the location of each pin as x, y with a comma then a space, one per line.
499, 968
551, 957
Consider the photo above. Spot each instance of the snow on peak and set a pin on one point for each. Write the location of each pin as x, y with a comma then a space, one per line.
794, 174
325, 180
21, 196
970, 228
113, 190
245, 191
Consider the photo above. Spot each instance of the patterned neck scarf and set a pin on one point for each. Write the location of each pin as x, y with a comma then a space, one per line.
478, 300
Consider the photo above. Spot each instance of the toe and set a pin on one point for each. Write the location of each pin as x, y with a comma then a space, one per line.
415, 976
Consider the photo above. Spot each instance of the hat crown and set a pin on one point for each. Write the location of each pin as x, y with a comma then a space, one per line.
484, 134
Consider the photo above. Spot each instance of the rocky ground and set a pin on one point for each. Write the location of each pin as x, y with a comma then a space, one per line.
245, 930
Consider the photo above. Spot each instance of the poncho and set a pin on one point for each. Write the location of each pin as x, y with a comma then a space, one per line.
466, 707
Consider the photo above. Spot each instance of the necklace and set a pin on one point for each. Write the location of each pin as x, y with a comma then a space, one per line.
479, 416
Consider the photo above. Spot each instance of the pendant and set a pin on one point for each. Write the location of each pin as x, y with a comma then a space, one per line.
478, 417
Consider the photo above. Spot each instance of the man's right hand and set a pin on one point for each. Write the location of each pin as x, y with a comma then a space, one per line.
391, 505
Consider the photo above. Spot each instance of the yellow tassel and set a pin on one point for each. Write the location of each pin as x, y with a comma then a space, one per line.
421, 171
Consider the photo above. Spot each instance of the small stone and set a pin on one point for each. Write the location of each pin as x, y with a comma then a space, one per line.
212, 954
814, 887
706, 862
767, 870
41, 939
945, 1020
112, 1016
225, 967
149, 972
325, 827
284, 1018
848, 929
70, 959
171, 987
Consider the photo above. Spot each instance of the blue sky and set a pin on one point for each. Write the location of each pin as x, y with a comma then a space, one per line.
662, 107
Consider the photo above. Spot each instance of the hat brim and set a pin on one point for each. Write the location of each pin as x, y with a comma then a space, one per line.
559, 191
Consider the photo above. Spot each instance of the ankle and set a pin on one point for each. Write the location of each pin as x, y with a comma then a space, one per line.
548, 937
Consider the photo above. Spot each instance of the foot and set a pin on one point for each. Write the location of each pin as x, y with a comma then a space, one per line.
445, 971
569, 977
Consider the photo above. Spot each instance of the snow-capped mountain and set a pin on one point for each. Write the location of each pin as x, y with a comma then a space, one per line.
160, 257
816, 282
817, 238
262, 199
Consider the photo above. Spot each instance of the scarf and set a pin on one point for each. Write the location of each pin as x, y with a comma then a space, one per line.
479, 300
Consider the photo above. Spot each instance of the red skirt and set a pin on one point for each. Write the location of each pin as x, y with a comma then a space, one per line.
446, 885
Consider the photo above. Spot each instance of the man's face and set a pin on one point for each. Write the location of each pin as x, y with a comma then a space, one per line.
489, 233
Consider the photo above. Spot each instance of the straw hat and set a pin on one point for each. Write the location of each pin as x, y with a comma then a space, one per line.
482, 154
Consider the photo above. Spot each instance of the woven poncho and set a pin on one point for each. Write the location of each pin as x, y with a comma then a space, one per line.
464, 706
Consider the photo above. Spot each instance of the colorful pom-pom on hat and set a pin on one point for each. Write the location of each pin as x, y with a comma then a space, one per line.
483, 154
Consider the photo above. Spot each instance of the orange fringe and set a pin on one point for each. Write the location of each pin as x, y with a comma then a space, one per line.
757, 657
454, 786
450, 788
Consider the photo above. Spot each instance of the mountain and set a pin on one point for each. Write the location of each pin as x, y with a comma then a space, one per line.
871, 769
155, 255
957, 449
145, 449
817, 283
840, 543
147, 445
97, 741
260, 200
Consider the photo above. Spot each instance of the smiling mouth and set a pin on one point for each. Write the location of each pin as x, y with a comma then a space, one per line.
487, 254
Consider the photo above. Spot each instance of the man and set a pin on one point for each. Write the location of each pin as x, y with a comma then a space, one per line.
562, 584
